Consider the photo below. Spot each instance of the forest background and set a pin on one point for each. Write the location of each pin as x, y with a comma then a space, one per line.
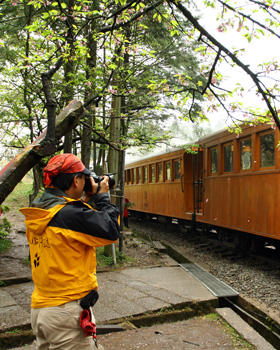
133, 73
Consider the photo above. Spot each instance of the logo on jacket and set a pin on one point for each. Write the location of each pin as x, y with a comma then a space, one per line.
36, 261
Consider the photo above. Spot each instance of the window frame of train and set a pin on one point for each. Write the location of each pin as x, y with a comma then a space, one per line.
242, 149
228, 157
167, 171
145, 174
159, 173
139, 175
133, 176
152, 174
213, 159
271, 165
128, 176
177, 174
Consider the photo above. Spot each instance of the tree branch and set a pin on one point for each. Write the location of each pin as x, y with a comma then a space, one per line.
15, 170
51, 104
212, 72
249, 18
264, 92
132, 19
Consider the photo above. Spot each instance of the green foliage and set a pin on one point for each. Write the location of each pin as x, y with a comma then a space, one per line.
131, 58
155, 60
13, 331
5, 229
191, 149
4, 209
129, 204
107, 261
4, 243
211, 317
18, 198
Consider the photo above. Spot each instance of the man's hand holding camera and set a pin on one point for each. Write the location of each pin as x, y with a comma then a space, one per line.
96, 188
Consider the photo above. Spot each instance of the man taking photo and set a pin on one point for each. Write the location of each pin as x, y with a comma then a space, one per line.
63, 231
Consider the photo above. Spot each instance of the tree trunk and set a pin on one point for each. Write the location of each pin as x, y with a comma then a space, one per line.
67, 145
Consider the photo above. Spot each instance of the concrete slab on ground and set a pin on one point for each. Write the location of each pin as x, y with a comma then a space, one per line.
11, 314
244, 328
135, 291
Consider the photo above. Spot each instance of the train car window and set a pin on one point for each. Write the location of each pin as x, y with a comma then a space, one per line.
228, 158
134, 176
214, 160
246, 154
152, 173
127, 176
159, 172
267, 150
145, 174
167, 171
177, 169
139, 177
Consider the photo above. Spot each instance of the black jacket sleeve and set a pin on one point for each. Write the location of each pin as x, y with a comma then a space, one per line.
78, 217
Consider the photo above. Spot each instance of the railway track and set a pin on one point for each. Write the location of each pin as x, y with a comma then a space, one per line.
209, 241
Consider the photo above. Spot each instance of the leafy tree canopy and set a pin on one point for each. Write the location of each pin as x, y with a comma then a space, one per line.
156, 56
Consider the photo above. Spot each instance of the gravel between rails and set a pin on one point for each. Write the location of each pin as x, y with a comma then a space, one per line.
255, 280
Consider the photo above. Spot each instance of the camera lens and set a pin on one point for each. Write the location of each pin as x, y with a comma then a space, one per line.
97, 179
111, 182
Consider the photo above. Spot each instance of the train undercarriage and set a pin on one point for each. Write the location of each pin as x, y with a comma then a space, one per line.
228, 237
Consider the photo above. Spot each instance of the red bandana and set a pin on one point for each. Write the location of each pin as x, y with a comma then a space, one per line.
66, 163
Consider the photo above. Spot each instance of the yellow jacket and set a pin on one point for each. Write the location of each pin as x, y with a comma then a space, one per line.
62, 235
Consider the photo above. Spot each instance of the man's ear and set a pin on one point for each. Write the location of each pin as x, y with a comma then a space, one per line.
75, 181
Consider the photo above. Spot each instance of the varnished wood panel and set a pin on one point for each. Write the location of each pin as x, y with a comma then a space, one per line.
247, 203
171, 199
243, 200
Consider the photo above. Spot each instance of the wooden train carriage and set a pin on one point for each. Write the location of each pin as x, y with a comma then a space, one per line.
242, 181
162, 185
237, 193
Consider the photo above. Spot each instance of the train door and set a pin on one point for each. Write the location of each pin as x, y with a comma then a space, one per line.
193, 184
197, 183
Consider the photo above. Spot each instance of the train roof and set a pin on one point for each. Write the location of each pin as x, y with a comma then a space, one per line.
152, 155
225, 133
213, 137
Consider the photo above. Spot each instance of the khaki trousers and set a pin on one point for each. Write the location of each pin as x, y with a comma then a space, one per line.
58, 327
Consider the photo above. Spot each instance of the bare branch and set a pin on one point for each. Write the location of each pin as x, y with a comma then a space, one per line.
262, 90
267, 28
212, 72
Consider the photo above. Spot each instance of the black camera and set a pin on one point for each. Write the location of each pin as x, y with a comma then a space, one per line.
97, 179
